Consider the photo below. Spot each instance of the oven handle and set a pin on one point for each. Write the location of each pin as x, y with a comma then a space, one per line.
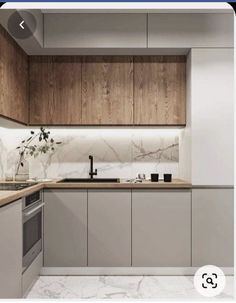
33, 210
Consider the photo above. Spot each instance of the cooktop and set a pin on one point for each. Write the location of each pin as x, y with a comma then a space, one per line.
15, 186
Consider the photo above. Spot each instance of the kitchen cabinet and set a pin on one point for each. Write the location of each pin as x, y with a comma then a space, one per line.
55, 90
159, 90
212, 116
161, 228
11, 250
109, 228
65, 228
14, 91
213, 227
95, 30
190, 30
107, 90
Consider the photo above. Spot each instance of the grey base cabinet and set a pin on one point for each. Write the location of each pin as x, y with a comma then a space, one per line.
11, 250
109, 228
161, 228
65, 228
213, 227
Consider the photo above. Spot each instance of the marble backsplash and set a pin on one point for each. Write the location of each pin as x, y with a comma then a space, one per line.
121, 153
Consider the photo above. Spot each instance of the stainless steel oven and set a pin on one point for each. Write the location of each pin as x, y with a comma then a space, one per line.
32, 218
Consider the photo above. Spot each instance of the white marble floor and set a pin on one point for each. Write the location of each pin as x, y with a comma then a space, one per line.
121, 287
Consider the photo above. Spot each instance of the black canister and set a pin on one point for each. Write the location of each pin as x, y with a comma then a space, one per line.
154, 177
167, 177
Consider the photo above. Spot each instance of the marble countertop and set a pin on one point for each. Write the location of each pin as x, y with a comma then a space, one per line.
7, 197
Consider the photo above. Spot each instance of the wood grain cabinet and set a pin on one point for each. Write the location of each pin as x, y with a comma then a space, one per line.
11, 250
65, 228
107, 90
213, 227
55, 90
14, 93
109, 228
161, 228
159, 90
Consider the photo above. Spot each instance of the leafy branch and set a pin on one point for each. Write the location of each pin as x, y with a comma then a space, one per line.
35, 145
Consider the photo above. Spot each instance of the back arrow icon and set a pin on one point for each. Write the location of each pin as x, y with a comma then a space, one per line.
21, 24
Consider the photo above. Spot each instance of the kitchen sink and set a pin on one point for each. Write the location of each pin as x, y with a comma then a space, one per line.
88, 180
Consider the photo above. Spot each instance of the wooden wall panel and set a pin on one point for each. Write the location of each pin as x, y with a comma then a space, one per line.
14, 91
55, 90
159, 90
107, 90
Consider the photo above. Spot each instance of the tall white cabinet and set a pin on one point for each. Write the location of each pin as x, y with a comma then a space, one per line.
210, 97
212, 113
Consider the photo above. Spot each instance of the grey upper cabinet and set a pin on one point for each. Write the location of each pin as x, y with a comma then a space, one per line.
190, 30
95, 30
11, 250
65, 228
161, 228
109, 228
213, 227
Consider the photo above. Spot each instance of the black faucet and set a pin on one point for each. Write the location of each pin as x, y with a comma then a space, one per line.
92, 173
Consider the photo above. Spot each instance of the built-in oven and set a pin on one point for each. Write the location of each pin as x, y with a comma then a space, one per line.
32, 218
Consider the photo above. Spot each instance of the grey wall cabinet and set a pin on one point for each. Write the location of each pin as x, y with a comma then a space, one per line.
65, 228
11, 250
161, 228
95, 30
109, 228
190, 30
213, 227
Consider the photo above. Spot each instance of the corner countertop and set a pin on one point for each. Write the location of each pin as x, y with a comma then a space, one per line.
7, 197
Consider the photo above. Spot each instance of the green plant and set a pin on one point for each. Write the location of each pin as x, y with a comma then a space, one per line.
36, 144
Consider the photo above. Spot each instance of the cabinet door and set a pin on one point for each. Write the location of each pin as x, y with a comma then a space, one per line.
109, 228
13, 79
107, 90
190, 30
95, 30
161, 228
159, 90
55, 90
65, 228
213, 227
11, 250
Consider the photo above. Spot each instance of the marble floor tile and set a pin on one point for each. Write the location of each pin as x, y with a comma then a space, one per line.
121, 287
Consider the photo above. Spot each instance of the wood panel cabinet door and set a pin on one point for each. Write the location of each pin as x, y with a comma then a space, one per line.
14, 89
213, 227
161, 228
11, 250
107, 90
109, 228
55, 90
65, 228
159, 90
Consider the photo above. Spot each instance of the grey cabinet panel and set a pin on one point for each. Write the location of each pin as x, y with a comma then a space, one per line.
109, 228
65, 228
95, 30
161, 228
190, 30
213, 227
11, 250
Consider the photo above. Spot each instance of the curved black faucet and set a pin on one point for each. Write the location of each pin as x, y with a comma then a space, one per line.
92, 173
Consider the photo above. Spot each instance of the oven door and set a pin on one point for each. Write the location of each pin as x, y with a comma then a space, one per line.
32, 233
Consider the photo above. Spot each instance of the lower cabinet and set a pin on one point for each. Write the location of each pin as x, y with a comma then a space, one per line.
161, 228
11, 250
109, 228
213, 227
65, 228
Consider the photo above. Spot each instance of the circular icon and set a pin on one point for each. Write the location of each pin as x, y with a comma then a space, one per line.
209, 280
21, 24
